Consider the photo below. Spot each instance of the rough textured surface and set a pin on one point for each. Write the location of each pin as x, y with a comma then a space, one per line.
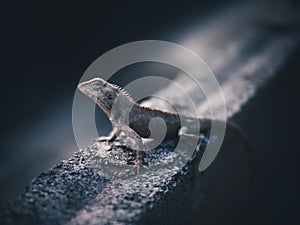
77, 190
83, 191
55, 196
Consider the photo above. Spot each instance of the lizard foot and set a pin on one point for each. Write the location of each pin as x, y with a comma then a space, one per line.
102, 139
139, 162
111, 137
137, 165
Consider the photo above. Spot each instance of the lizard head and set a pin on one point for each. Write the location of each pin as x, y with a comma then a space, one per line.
104, 94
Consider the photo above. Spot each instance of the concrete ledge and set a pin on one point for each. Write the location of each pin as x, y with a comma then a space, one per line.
74, 192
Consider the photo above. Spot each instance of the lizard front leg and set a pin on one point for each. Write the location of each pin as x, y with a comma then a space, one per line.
137, 141
138, 144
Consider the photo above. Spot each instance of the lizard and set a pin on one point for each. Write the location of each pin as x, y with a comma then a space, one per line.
127, 116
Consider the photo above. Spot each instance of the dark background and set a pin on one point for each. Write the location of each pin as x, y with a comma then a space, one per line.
46, 47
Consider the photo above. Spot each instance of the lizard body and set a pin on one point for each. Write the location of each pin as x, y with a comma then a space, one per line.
133, 119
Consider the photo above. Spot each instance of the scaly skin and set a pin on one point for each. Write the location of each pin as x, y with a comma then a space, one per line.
133, 119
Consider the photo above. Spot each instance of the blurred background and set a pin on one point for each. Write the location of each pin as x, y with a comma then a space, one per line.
47, 46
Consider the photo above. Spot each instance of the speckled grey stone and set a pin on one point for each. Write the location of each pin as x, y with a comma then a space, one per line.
99, 186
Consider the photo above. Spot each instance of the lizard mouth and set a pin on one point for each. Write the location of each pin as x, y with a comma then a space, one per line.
83, 87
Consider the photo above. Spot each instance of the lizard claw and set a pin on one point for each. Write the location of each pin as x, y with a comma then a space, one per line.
104, 138
101, 139
137, 165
